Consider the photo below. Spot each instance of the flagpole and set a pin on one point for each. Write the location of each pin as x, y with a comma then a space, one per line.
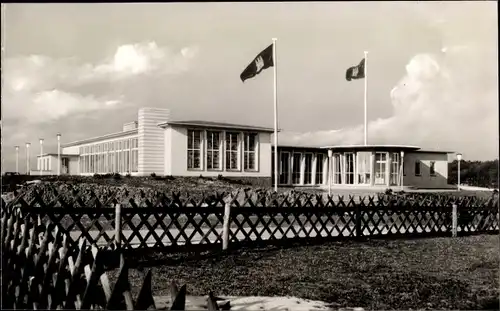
275, 69
366, 90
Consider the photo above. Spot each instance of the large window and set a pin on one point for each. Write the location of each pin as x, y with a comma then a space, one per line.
284, 167
380, 168
364, 170
213, 150
320, 162
232, 151
395, 164
135, 155
194, 149
337, 169
349, 168
250, 152
296, 164
308, 166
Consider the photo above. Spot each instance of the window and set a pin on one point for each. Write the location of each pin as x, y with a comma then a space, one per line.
364, 167
284, 167
135, 155
320, 161
395, 168
349, 165
232, 159
417, 168
308, 158
296, 165
194, 149
250, 152
432, 168
213, 150
380, 168
337, 169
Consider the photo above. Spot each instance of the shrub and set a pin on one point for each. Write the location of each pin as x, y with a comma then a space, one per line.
117, 176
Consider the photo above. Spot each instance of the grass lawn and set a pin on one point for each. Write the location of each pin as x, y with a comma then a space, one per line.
440, 273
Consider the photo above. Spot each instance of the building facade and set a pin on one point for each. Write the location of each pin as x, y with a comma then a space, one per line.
156, 144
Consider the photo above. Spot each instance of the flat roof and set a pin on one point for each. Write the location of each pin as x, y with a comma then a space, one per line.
98, 138
55, 154
221, 125
436, 151
297, 146
370, 147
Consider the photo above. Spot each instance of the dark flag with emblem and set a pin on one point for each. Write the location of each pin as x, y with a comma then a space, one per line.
262, 61
356, 72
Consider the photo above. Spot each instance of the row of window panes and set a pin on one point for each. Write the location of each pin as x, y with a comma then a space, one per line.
132, 143
285, 161
364, 173
112, 157
214, 148
119, 161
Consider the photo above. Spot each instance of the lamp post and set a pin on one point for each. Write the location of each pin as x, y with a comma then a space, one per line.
28, 158
459, 158
41, 154
330, 168
402, 169
17, 159
58, 154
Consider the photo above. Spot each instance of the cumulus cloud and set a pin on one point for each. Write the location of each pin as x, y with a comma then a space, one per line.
41, 89
443, 102
40, 93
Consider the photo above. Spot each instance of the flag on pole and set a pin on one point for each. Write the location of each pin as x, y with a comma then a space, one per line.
356, 72
262, 61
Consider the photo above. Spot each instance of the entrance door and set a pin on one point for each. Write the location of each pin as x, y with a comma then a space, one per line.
297, 158
284, 168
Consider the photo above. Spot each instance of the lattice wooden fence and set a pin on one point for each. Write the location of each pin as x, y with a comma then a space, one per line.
40, 270
170, 223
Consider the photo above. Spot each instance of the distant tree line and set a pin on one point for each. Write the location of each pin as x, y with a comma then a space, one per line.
474, 173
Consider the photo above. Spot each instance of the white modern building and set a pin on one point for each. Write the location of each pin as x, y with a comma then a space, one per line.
157, 144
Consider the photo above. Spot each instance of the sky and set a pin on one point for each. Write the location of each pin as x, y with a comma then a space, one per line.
85, 69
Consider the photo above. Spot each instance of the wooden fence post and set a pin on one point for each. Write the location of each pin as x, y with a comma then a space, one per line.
359, 220
454, 221
118, 225
226, 225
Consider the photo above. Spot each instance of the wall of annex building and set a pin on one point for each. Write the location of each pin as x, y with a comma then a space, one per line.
426, 170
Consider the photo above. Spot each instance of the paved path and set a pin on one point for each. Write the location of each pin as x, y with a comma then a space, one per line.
197, 237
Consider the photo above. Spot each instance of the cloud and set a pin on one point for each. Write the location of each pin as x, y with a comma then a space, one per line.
41, 89
42, 93
443, 102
